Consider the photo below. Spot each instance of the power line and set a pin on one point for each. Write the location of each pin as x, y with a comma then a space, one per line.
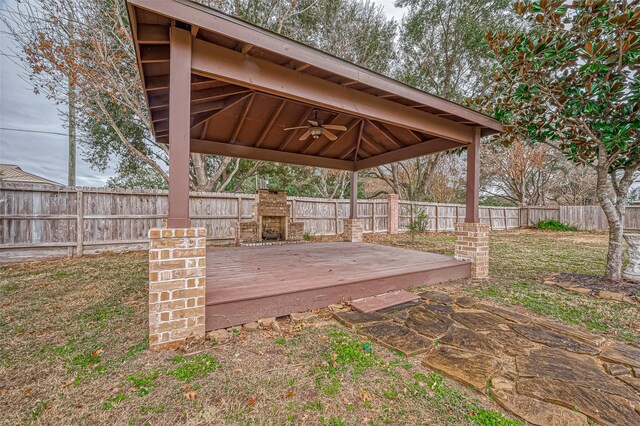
33, 131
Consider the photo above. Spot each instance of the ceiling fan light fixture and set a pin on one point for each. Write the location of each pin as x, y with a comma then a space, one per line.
316, 132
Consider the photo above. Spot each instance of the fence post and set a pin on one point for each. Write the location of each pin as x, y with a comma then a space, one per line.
335, 203
504, 213
490, 218
436, 218
373, 217
293, 210
79, 223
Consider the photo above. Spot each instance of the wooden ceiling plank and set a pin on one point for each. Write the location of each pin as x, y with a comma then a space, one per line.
229, 103
303, 119
334, 143
269, 125
261, 154
225, 64
217, 93
242, 118
153, 34
154, 53
387, 134
411, 151
160, 82
373, 145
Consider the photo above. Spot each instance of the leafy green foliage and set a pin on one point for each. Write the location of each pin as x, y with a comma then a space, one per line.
190, 368
419, 223
345, 354
143, 382
569, 79
554, 225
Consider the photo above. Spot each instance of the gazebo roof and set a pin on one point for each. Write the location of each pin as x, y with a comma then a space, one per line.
248, 84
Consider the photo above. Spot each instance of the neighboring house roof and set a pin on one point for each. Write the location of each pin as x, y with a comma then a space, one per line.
14, 174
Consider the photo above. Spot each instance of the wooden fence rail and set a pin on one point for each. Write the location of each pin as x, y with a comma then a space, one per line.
41, 221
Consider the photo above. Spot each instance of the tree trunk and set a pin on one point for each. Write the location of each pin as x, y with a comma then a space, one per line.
614, 211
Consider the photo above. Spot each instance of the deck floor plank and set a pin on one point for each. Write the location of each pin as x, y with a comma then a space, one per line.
306, 275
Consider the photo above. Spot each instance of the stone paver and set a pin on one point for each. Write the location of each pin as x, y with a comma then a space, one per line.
540, 334
544, 372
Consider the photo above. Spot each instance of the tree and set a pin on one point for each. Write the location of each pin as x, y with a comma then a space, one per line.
570, 79
518, 173
98, 61
440, 51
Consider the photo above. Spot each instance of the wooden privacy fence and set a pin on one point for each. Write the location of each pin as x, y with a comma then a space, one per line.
42, 221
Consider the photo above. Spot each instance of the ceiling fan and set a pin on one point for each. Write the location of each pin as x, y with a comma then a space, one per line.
316, 128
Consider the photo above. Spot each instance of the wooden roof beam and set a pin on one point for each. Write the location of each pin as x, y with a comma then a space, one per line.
243, 117
224, 64
335, 142
228, 103
387, 134
269, 125
303, 119
211, 20
373, 144
261, 154
412, 151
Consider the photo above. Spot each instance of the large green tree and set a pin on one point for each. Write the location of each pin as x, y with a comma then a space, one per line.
570, 79
441, 51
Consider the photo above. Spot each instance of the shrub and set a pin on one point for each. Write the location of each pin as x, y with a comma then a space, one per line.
419, 224
555, 225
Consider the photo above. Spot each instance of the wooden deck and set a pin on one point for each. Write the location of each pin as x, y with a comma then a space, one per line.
248, 283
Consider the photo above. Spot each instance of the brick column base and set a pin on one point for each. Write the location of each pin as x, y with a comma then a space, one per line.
394, 213
472, 244
177, 286
353, 229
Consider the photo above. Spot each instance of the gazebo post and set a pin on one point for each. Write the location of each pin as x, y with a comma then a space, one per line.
353, 226
472, 237
177, 254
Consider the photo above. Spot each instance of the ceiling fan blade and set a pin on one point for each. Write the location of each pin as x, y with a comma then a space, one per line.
299, 127
314, 123
329, 135
305, 136
335, 127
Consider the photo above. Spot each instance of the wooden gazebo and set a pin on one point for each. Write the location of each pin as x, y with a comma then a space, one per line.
218, 85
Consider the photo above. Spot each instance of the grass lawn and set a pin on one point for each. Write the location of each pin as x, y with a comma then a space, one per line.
73, 348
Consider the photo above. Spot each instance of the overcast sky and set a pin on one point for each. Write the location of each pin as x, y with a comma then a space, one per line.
46, 154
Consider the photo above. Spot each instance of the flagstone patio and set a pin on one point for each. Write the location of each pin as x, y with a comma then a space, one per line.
544, 372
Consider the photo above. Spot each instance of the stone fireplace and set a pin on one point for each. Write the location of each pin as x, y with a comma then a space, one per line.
271, 220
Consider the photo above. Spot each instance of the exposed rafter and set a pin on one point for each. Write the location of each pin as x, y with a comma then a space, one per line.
292, 133
243, 117
386, 134
229, 103
342, 135
269, 125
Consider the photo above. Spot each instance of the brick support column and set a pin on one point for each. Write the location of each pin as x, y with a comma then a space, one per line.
472, 244
353, 229
177, 286
394, 213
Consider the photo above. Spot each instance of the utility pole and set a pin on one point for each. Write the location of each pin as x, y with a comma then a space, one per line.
71, 181
72, 136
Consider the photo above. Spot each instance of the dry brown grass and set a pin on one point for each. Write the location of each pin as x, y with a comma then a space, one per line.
55, 315
73, 351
